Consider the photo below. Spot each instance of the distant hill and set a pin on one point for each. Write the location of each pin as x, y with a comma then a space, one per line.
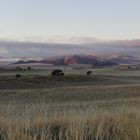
121, 59
106, 60
71, 59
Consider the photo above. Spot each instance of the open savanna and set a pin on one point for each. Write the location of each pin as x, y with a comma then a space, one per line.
37, 106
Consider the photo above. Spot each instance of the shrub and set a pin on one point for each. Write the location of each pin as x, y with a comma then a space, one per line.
89, 72
18, 75
57, 72
29, 68
129, 67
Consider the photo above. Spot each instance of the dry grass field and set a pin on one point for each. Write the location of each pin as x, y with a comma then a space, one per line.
73, 107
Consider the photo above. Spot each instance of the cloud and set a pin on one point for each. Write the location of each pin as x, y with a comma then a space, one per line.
72, 40
4, 51
43, 49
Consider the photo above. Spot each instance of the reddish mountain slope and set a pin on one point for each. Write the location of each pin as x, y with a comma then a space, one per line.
70, 59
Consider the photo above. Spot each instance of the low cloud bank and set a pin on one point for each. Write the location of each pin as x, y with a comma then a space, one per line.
36, 49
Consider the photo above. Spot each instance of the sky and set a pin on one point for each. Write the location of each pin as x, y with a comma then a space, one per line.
67, 20
42, 28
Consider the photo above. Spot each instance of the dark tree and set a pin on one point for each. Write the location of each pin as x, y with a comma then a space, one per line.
57, 72
17, 75
89, 73
29, 68
62, 73
17, 68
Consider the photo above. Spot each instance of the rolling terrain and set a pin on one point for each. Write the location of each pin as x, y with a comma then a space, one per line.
102, 106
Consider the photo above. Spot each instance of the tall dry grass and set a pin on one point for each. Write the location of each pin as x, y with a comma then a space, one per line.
71, 113
39, 122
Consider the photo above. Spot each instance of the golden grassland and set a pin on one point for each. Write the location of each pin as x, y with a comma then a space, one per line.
71, 113
72, 107
103, 125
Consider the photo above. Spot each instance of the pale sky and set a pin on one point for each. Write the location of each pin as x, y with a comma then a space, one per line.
48, 19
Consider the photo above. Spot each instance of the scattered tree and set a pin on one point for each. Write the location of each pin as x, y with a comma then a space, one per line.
129, 67
29, 68
62, 73
89, 73
17, 68
57, 72
18, 75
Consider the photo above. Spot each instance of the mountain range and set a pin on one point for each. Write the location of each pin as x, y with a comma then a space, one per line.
108, 60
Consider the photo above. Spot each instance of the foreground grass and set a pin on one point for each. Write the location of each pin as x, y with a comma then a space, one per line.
71, 113
121, 124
